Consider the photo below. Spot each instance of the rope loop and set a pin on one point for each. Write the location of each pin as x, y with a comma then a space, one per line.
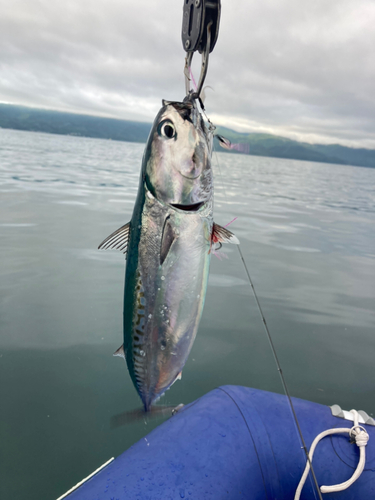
361, 437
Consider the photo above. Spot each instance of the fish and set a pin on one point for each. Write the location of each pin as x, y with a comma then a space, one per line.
168, 244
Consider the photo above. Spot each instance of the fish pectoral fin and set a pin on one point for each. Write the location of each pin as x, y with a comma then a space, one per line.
120, 352
224, 143
167, 240
221, 234
118, 240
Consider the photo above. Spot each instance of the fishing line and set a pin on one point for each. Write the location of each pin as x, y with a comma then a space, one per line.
278, 365
291, 407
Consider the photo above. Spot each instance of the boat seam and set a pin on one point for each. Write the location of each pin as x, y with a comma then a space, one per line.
252, 439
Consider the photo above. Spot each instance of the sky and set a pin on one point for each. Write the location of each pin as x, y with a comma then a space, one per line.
295, 68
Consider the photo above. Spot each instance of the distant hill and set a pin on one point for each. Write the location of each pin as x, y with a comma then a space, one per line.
56, 122
280, 147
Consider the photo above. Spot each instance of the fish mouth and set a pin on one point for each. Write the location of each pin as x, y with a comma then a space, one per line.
188, 208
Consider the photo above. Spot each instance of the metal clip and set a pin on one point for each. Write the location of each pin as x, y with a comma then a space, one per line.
200, 29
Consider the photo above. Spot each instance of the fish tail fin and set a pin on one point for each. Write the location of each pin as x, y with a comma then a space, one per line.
147, 402
128, 417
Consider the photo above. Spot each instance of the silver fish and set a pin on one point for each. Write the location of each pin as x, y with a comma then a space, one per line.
168, 245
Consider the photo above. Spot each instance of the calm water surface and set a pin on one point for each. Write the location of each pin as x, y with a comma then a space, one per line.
307, 234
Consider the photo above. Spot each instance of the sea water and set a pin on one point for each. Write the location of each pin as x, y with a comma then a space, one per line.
307, 235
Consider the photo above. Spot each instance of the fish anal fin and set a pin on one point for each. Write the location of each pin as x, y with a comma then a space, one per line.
120, 352
178, 377
167, 240
221, 234
118, 240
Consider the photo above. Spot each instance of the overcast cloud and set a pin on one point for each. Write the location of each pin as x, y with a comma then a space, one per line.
297, 68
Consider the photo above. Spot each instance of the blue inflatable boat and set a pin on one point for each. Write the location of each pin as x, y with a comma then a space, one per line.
236, 443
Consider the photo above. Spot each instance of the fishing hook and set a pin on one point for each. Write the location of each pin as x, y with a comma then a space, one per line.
204, 67
200, 29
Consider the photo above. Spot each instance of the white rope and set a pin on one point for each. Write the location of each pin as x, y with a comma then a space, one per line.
361, 439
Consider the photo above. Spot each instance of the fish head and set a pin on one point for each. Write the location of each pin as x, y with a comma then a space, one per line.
177, 160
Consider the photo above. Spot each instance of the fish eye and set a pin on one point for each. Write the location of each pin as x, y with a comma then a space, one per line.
167, 129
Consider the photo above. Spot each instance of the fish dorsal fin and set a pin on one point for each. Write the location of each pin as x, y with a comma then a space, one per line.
120, 352
221, 234
167, 239
117, 240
